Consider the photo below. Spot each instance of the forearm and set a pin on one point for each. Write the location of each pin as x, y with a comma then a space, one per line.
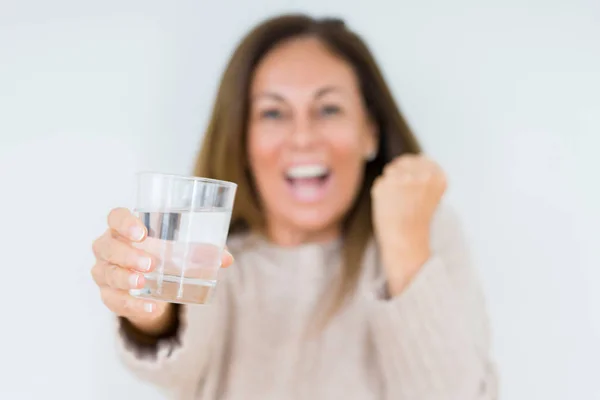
178, 344
429, 319
427, 340
175, 358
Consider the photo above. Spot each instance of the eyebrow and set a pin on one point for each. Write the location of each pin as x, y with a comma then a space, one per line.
327, 89
270, 95
320, 93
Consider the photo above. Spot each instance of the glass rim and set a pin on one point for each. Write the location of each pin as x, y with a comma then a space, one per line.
231, 185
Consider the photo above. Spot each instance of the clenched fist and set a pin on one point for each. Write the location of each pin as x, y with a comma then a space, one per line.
405, 198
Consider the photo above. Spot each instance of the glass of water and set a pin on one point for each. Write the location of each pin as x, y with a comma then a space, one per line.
187, 219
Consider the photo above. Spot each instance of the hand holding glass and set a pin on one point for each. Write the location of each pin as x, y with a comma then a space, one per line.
187, 219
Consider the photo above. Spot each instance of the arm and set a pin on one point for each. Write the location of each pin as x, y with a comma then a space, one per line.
167, 348
432, 338
176, 359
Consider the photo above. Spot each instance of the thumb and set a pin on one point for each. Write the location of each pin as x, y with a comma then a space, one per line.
227, 259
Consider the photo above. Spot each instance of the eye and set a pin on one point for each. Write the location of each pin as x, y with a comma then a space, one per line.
329, 110
271, 114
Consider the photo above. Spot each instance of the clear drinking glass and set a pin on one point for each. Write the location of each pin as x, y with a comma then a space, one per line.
187, 219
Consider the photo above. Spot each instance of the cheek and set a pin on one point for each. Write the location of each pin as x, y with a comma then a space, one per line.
263, 153
348, 142
347, 154
348, 163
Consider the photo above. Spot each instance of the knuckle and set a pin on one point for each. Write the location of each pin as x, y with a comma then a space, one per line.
434, 166
120, 280
97, 245
101, 246
108, 254
124, 305
110, 275
116, 217
128, 304
426, 176
376, 185
406, 158
113, 253
112, 216
96, 274
118, 303
116, 252
444, 182
103, 297
106, 297
406, 180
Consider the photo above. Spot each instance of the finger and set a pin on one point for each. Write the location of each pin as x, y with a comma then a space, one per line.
116, 252
162, 251
400, 163
404, 176
227, 259
402, 171
376, 187
98, 273
412, 162
421, 168
421, 175
427, 169
124, 223
407, 159
121, 278
122, 303
201, 253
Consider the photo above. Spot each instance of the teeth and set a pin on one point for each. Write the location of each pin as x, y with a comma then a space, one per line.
307, 171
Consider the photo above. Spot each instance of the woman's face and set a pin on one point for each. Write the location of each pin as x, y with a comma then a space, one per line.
309, 136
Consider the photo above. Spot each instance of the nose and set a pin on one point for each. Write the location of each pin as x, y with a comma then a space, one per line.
304, 135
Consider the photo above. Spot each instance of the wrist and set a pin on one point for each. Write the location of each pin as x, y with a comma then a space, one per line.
158, 324
402, 259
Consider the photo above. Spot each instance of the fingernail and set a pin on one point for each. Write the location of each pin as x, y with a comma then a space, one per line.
134, 279
148, 307
137, 233
144, 263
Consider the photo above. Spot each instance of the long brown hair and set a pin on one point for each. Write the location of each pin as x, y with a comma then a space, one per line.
224, 154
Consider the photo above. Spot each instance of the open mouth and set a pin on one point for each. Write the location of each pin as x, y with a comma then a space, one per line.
308, 182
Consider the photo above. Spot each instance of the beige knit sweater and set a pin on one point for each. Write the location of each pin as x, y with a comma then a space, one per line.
430, 342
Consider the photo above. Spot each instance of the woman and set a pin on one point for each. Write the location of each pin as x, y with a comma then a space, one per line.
351, 280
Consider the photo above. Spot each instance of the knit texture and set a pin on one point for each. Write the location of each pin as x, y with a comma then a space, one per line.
254, 341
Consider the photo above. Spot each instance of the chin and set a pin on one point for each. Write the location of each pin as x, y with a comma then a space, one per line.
314, 223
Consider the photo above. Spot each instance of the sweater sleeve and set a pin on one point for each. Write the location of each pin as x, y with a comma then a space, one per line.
177, 363
432, 340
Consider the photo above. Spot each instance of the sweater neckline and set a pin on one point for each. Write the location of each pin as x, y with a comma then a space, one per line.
315, 249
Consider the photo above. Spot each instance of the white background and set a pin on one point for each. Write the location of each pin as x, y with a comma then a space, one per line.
505, 94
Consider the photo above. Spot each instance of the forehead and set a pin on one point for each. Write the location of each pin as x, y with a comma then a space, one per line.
302, 65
